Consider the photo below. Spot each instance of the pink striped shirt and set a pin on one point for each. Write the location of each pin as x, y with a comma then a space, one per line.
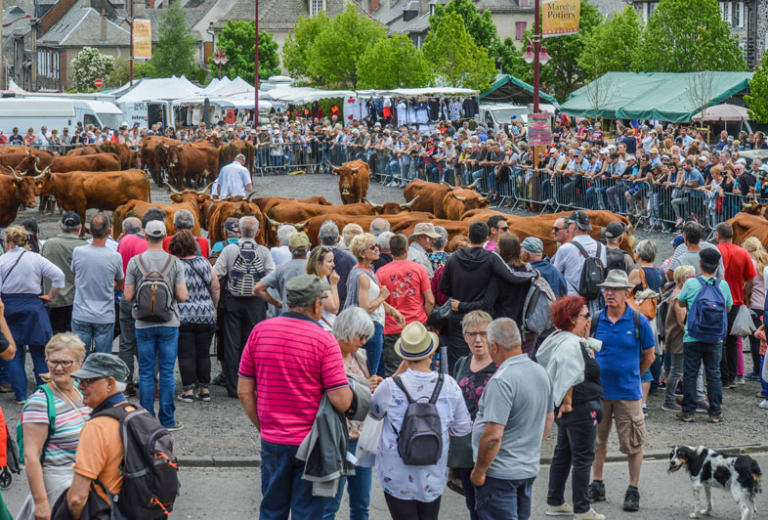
293, 361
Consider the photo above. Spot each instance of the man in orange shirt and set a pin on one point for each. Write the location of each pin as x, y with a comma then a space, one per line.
100, 450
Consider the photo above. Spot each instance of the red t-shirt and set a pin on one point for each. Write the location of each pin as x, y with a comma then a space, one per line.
130, 246
200, 240
738, 269
407, 282
293, 361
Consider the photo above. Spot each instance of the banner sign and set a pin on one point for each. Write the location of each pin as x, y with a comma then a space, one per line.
560, 17
539, 130
142, 39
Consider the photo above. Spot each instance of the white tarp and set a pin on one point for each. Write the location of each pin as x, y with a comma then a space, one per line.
159, 89
427, 91
304, 95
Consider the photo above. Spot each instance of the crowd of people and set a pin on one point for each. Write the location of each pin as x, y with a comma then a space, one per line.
429, 368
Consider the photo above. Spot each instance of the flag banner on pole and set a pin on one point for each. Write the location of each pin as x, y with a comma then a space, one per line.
142, 39
560, 17
539, 130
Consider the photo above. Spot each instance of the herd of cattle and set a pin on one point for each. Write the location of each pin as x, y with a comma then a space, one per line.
107, 177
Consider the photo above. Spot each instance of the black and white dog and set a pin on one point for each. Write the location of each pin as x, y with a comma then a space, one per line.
708, 468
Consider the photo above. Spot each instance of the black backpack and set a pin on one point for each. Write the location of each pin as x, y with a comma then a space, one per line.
614, 259
592, 274
154, 297
420, 440
149, 467
246, 271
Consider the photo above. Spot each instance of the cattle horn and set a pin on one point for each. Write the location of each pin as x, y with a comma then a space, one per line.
746, 204
332, 165
459, 197
15, 173
473, 185
206, 189
173, 190
37, 170
410, 204
273, 222
248, 197
299, 225
483, 199
372, 204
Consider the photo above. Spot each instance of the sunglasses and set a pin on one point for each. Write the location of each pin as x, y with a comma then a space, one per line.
89, 381
373, 248
60, 363
586, 315
556, 229
503, 228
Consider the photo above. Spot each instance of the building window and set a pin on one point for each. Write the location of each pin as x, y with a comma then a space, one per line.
519, 30
316, 7
737, 14
648, 9
725, 8
525, 3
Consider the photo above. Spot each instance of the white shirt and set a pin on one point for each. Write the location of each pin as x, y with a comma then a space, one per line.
570, 263
232, 180
27, 275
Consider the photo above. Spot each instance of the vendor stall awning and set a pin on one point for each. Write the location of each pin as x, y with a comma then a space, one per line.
509, 89
664, 96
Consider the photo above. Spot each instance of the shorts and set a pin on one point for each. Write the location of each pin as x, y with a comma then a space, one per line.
630, 425
647, 377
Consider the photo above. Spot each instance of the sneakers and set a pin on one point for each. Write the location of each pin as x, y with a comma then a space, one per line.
596, 492
716, 418
561, 510
671, 407
740, 380
682, 416
763, 404
205, 397
589, 515
632, 499
186, 398
702, 407
175, 427
5, 389
645, 411
752, 376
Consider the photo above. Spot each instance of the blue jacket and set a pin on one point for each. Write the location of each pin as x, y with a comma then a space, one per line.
553, 277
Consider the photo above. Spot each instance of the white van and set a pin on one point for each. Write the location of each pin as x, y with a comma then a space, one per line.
24, 113
496, 114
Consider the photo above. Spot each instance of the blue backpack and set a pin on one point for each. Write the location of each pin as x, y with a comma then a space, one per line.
708, 316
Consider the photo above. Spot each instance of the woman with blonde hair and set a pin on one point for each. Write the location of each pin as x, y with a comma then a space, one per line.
21, 274
757, 298
49, 449
321, 264
365, 291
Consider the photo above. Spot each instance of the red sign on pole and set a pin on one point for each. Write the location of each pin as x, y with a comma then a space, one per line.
539, 131
98, 83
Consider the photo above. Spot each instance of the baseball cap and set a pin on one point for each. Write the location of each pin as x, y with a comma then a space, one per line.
580, 219
100, 364
155, 229
304, 289
299, 242
533, 245
232, 226
614, 230
677, 240
70, 220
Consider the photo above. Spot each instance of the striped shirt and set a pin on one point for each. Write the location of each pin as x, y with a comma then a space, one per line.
293, 361
69, 421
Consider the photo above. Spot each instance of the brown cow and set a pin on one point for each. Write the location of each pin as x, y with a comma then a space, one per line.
84, 150
430, 196
201, 200
192, 162
128, 158
294, 211
137, 208
228, 151
460, 200
98, 162
267, 203
746, 225
15, 191
354, 177
225, 209
152, 159
80, 190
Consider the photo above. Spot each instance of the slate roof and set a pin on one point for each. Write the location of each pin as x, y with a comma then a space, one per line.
81, 26
192, 15
280, 14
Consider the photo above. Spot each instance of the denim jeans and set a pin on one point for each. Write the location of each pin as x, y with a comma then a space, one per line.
100, 335
576, 433
500, 499
158, 344
373, 348
18, 375
358, 489
282, 488
693, 354
675, 373
127, 348
469, 491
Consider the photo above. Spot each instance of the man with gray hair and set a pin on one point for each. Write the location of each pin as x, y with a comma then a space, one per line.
514, 415
282, 253
234, 179
378, 226
59, 250
299, 246
242, 305
385, 253
183, 219
343, 261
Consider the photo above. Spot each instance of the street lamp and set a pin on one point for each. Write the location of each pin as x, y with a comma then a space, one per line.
220, 58
536, 53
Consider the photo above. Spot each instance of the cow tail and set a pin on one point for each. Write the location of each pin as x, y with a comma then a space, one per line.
149, 187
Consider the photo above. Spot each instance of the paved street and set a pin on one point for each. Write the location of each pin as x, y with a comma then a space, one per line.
233, 494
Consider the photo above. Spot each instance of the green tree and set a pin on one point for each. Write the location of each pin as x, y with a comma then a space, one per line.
337, 48
297, 47
562, 74
611, 46
456, 57
479, 25
757, 100
393, 62
236, 39
510, 61
120, 73
88, 65
175, 49
688, 36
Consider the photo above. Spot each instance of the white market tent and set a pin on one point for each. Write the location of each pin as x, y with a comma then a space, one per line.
156, 90
227, 93
304, 95
418, 92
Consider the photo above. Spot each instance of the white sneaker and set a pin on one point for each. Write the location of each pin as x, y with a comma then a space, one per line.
740, 380
763, 404
589, 515
561, 510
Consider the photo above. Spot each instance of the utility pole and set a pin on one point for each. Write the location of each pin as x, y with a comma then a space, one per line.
2, 57
130, 60
256, 67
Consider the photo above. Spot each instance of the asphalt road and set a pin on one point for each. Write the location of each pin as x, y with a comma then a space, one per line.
234, 494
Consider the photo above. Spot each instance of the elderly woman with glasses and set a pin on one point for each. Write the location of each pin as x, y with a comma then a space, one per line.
50, 446
568, 358
352, 329
365, 291
321, 264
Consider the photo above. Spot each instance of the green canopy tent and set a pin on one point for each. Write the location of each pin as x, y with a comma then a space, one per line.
664, 96
509, 89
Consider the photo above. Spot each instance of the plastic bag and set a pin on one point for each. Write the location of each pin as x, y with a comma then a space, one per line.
368, 443
742, 324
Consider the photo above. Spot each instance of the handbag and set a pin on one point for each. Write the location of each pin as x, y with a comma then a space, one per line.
742, 324
646, 300
442, 313
95, 508
368, 443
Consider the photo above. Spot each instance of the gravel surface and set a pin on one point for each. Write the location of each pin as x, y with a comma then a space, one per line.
220, 428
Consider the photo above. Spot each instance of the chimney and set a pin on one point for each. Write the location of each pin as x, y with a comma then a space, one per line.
103, 25
139, 10
151, 4
86, 4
